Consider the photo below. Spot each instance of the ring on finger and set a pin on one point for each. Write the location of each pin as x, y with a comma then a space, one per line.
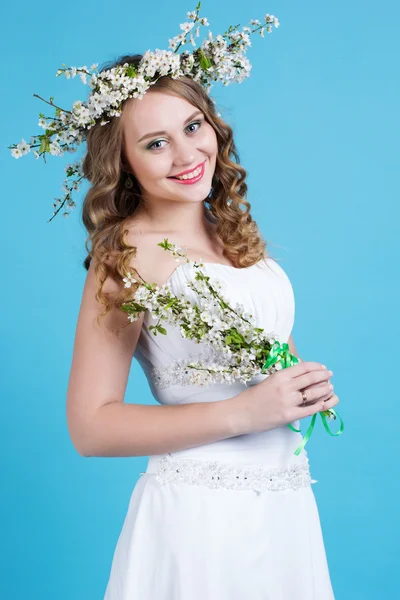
304, 396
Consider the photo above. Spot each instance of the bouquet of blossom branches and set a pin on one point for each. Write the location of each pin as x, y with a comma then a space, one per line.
243, 349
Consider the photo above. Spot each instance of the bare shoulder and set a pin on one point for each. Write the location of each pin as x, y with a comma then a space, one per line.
153, 263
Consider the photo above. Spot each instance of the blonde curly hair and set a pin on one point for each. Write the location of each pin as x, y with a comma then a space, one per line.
109, 203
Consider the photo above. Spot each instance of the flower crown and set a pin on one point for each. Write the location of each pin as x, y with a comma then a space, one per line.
217, 59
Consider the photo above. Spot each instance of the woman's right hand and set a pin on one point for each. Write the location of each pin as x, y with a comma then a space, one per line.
277, 400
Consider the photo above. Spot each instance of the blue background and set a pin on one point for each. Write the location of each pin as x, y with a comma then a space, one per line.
317, 127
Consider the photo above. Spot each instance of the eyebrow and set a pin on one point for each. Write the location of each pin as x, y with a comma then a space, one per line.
156, 133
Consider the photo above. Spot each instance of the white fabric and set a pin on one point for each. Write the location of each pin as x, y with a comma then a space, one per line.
182, 541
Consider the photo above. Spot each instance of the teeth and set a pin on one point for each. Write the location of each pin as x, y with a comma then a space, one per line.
191, 175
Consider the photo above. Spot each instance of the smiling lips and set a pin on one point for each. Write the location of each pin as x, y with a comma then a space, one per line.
190, 177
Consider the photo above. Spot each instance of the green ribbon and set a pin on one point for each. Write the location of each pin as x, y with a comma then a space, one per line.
280, 353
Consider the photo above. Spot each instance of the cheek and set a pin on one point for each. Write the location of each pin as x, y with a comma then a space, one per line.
210, 140
149, 167
153, 169
158, 165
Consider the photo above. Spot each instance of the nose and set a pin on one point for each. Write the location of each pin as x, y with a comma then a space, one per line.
184, 153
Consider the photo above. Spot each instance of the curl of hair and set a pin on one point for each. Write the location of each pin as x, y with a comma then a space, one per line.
109, 203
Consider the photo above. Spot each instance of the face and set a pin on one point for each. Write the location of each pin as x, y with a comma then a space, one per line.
165, 136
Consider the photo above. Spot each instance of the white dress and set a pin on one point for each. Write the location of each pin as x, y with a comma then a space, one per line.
188, 535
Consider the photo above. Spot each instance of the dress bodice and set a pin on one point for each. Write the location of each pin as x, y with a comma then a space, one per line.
265, 291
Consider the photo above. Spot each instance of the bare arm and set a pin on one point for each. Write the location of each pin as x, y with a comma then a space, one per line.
100, 423
292, 347
120, 429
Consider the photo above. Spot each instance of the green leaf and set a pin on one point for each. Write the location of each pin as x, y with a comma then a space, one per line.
162, 330
165, 244
131, 71
237, 337
138, 306
205, 62
44, 145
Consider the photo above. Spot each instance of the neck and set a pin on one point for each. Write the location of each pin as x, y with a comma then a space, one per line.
174, 219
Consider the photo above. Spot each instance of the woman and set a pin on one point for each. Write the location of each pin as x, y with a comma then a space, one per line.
151, 172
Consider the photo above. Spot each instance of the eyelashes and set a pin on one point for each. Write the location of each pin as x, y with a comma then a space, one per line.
153, 147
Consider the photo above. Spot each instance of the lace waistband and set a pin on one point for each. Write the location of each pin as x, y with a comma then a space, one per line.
216, 474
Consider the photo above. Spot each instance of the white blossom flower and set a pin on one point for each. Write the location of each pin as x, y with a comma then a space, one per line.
55, 148
24, 147
172, 43
132, 318
186, 27
16, 152
128, 280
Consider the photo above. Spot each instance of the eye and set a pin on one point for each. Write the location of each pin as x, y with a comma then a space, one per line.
194, 123
153, 146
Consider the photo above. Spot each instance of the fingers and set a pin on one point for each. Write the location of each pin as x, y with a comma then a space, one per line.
304, 367
331, 402
319, 406
315, 394
311, 380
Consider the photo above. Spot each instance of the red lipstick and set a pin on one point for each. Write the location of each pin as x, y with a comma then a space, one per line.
193, 179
